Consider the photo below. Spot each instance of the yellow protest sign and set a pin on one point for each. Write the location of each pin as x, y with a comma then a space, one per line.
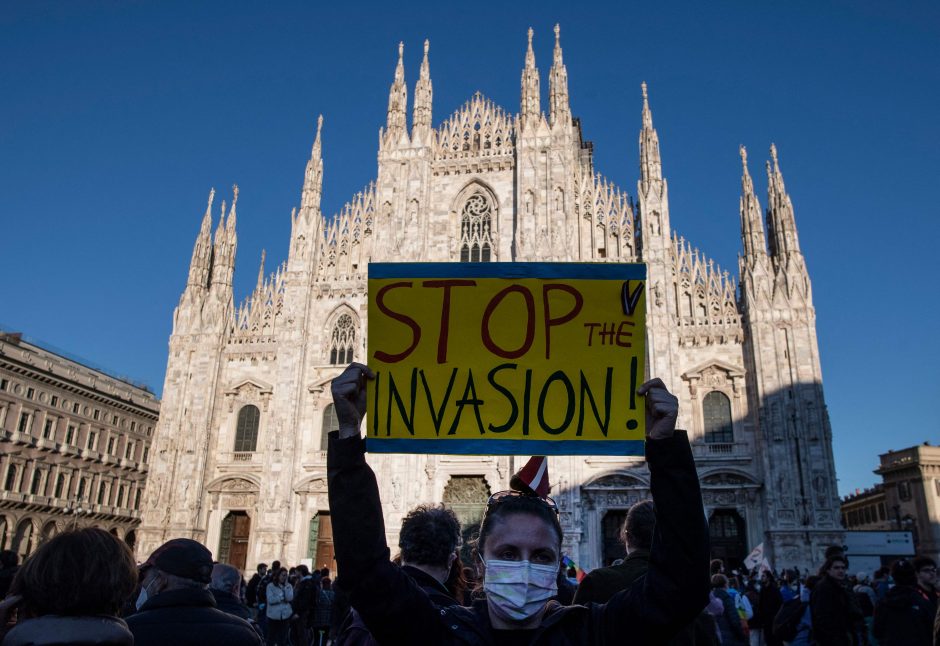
506, 358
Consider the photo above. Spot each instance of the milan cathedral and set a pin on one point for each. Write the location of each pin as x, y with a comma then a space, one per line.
239, 460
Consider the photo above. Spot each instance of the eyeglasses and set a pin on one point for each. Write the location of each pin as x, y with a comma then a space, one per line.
502, 496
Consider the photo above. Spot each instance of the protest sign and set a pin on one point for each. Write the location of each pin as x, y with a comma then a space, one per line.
506, 358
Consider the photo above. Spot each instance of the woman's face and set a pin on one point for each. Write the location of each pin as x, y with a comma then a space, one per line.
282, 577
522, 537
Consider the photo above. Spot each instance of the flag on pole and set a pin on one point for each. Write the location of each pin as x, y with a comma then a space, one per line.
533, 477
755, 558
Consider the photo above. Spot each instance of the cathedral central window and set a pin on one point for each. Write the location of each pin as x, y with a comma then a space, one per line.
476, 243
342, 341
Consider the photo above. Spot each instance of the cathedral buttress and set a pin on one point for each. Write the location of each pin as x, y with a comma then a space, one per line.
656, 250
189, 311
306, 224
783, 373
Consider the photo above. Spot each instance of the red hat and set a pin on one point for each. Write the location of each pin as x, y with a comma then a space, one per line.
533, 477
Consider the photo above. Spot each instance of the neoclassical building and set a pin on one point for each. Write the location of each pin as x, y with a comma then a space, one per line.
239, 456
74, 446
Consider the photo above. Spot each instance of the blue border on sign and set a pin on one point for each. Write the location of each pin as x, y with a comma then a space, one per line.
581, 270
506, 447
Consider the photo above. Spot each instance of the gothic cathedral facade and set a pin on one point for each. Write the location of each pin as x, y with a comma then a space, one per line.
239, 458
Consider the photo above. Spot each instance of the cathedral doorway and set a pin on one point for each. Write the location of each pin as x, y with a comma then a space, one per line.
728, 538
613, 547
467, 496
320, 541
233, 544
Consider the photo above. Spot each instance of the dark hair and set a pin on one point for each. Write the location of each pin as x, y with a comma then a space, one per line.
835, 550
719, 581
716, 566
457, 582
325, 572
638, 526
903, 572
303, 569
9, 558
84, 571
514, 505
262, 565
832, 560
275, 565
812, 580
429, 535
921, 562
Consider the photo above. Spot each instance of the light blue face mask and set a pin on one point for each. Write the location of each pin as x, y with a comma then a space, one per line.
518, 590
142, 597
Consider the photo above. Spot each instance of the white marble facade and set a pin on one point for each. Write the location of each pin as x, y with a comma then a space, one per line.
487, 184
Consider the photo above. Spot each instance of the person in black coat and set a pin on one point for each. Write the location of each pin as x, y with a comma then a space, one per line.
520, 535
175, 606
70, 591
9, 561
835, 615
904, 617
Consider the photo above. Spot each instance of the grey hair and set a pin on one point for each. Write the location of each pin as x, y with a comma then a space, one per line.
224, 577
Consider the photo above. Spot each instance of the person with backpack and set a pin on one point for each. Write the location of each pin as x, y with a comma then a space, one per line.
793, 623
903, 617
730, 627
306, 594
866, 599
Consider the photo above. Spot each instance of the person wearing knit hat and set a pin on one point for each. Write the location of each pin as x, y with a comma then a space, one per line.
175, 606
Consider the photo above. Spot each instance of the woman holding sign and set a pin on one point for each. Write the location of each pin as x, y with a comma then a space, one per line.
520, 549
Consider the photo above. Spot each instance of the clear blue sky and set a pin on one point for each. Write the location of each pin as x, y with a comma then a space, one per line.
116, 118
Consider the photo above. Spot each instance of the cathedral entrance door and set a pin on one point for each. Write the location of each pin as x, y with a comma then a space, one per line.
323, 554
613, 543
233, 544
467, 496
728, 538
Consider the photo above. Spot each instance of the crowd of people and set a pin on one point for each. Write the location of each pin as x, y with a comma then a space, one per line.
84, 587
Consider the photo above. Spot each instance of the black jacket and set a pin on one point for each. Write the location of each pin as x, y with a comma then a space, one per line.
188, 617
398, 611
227, 602
835, 614
54, 630
904, 618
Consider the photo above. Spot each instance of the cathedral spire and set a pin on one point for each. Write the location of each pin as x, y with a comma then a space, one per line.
558, 84
313, 175
223, 247
260, 285
651, 165
421, 118
530, 110
752, 226
396, 123
201, 263
781, 223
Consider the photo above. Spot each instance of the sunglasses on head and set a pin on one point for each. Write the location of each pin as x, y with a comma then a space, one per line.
502, 496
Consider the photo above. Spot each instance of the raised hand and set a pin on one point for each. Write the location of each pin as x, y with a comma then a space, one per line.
662, 409
349, 398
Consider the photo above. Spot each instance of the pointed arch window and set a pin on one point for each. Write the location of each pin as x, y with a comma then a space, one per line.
342, 341
476, 242
330, 423
716, 411
246, 429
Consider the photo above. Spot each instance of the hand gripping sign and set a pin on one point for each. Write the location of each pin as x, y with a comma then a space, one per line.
506, 358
